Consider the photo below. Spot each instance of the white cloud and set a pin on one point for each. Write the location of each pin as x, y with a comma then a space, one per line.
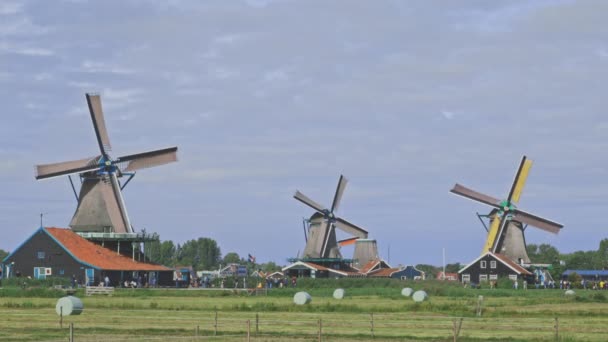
21, 26
43, 76
102, 67
447, 114
9, 8
224, 73
119, 98
276, 75
24, 50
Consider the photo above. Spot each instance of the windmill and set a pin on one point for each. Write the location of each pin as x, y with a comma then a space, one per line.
506, 232
321, 241
101, 207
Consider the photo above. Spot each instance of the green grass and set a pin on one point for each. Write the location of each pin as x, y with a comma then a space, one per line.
508, 315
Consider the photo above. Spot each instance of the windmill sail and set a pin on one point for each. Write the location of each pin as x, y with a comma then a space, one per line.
101, 206
321, 241
506, 230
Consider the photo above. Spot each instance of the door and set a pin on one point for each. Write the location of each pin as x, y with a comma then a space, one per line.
89, 276
39, 273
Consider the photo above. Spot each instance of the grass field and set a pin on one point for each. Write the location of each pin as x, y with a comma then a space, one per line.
378, 313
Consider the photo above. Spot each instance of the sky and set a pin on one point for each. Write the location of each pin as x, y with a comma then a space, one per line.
263, 98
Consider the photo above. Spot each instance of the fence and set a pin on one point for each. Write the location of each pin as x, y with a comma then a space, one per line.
220, 327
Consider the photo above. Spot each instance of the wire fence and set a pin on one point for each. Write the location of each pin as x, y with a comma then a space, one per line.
370, 326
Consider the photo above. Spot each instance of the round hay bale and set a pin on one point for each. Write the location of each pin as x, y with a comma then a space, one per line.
407, 292
339, 293
419, 296
570, 293
302, 298
69, 305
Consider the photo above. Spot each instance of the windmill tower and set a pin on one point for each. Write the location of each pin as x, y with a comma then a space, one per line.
101, 207
321, 240
506, 232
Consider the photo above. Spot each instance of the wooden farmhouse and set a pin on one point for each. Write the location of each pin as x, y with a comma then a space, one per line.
492, 266
59, 252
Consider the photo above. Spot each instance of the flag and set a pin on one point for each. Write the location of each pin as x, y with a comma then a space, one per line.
251, 258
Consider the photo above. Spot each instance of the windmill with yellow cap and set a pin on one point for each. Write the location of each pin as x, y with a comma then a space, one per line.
508, 222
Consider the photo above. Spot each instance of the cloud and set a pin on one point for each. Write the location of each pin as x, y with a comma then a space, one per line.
20, 26
276, 75
447, 114
224, 174
9, 8
103, 67
24, 50
119, 98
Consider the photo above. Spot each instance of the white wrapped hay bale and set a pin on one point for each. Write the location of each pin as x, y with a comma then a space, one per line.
339, 293
570, 293
419, 296
407, 292
69, 305
302, 298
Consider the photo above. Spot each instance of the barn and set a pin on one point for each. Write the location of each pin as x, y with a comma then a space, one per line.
59, 252
492, 266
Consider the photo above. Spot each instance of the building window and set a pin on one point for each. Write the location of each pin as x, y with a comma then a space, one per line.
493, 276
483, 277
482, 264
61, 272
466, 278
40, 255
493, 264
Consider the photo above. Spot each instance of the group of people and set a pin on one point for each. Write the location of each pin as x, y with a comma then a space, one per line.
588, 284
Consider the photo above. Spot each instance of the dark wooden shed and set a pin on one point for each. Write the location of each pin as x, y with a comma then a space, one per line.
59, 252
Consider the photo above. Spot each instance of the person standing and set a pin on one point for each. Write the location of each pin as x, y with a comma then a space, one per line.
106, 281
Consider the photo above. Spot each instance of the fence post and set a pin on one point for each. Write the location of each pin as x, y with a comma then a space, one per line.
215, 325
71, 332
248, 330
257, 322
320, 329
196, 331
556, 326
456, 328
479, 305
61, 316
371, 315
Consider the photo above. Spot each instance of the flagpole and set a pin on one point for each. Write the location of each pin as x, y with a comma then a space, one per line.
443, 263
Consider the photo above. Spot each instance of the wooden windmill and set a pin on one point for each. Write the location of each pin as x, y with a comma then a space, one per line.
506, 232
321, 241
101, 207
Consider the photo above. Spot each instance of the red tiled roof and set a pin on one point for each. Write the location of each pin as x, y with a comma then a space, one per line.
383, 272
512, 264
97, 256
369, 266
316, 266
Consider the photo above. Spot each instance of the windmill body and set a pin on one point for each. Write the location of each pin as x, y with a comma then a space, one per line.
321, 242
513, 243
101, 206
317, 232
508, 222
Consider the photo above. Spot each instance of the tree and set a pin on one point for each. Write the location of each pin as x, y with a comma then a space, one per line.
602, 254
231, 258
201, 254
3, 254
452, 268
430, 270
269, 267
